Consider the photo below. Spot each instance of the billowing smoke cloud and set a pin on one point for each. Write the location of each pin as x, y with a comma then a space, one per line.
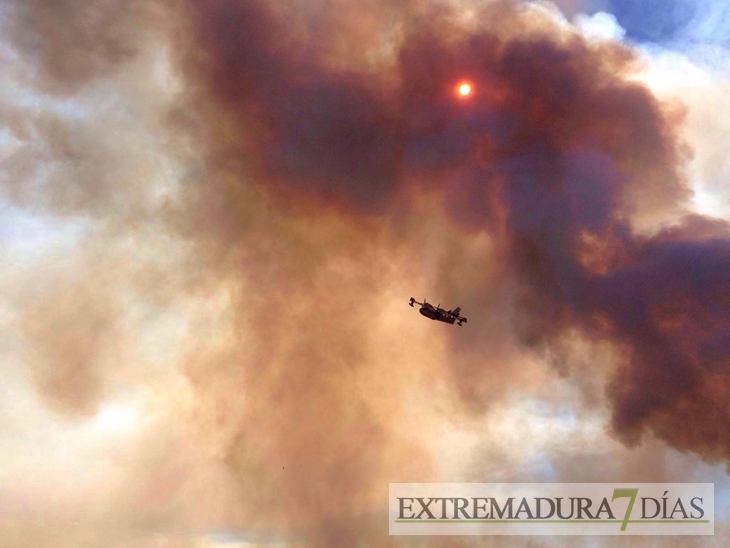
559, 156
327, 170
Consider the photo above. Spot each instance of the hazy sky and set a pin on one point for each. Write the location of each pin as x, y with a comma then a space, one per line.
214, 213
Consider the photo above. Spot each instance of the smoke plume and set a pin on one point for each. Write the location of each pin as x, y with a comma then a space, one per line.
324, 169
560, 157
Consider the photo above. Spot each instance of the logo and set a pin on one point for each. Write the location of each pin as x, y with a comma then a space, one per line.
551, 509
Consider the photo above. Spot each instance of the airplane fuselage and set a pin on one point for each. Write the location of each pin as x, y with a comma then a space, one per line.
436, 314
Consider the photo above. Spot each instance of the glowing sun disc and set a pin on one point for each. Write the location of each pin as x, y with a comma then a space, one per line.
464, 89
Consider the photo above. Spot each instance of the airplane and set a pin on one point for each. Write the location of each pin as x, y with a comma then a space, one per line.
438, 313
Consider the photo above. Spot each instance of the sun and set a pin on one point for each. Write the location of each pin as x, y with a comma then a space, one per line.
464, 89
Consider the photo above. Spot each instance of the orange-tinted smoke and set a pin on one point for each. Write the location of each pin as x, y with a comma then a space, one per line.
320, 127
559, 156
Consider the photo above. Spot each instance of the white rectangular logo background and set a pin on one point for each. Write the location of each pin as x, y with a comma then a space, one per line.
551, 508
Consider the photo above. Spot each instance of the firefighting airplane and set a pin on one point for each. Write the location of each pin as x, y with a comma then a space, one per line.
438, 313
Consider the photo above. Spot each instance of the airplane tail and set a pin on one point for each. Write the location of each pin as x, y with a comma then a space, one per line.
457, 310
